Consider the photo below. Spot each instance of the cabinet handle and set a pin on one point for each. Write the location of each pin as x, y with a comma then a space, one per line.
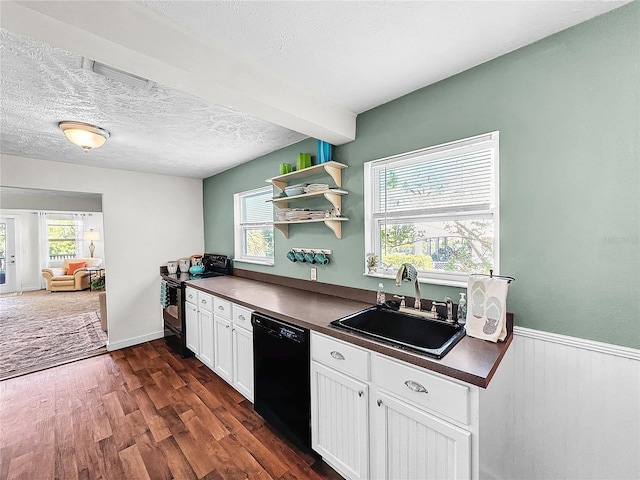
227, 326
203, 301
220, 307
415, 386
360, 393
379, 402
190, 297
241, 317
337, 355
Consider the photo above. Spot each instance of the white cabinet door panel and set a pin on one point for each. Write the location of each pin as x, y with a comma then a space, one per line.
414, 445
243, 361
223, 361
339, 421
191, 324
206, 338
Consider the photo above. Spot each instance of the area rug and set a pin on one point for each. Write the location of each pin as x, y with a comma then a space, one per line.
30, 341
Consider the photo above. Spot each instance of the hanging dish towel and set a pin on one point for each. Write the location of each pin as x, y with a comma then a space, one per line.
164, 294
487, 308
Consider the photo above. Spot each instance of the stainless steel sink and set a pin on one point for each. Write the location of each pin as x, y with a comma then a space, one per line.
430, 337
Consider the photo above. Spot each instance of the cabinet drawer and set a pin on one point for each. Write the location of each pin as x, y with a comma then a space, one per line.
242, 317
340, 356
222, 308
205, 301
191, 295
422, 388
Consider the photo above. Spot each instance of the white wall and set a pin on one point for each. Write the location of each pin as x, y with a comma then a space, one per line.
148, 219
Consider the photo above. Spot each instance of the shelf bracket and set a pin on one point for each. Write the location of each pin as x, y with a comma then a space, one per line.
335, 173
335, 200
336, 226
283, 228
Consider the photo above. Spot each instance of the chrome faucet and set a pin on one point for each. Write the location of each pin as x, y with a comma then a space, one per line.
449, 303
409, 273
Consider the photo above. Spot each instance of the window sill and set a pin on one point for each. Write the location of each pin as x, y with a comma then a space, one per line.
428, 281
268, 263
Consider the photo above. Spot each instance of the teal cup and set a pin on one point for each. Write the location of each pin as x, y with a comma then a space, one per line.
300, 257
310, 257
291, 255
321, 258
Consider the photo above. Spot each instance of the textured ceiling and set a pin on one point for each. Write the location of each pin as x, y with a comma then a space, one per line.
349, 55
161, 130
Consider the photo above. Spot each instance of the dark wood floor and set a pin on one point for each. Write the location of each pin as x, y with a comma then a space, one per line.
139, 413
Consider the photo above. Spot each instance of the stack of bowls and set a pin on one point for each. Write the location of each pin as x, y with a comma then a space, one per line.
293, 190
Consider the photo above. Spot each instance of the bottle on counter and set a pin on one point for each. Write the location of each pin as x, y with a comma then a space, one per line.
462, 309
380, 298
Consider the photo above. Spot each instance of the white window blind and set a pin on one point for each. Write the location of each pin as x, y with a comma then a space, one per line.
460, 182
255, 208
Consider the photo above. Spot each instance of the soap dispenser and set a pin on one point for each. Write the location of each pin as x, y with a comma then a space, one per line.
462, 310
380, 297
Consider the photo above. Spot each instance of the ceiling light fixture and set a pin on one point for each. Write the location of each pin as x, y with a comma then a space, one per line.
84, 135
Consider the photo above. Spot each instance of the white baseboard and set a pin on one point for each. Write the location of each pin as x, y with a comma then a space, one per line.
130, 342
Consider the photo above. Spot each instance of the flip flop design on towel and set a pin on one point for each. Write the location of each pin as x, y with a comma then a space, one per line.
493, 314
477, 300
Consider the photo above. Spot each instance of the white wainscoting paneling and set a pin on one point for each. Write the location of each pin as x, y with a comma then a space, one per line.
574, 411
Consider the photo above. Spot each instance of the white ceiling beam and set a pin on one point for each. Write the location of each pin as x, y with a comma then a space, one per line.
130, 37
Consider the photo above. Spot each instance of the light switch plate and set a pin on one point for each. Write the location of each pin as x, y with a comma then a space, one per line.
314, 274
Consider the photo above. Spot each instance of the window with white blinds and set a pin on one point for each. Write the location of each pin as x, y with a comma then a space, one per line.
253, 220
436, 208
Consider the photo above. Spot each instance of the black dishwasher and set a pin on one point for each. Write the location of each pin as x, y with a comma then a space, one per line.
281, 377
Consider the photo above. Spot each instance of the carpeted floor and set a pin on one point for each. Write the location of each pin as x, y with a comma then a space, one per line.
41, 329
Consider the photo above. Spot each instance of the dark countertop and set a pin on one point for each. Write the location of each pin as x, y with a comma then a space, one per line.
472, 360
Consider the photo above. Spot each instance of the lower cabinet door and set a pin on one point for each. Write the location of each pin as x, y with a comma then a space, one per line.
339, 421
412, 444
223, 362
243, 361
206, 338
191, 324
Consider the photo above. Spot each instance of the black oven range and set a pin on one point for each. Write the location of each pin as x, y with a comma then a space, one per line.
172, 297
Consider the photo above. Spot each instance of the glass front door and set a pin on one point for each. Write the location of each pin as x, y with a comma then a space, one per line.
7, 255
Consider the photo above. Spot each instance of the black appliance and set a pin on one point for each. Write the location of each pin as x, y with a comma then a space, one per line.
172, 295
281, 377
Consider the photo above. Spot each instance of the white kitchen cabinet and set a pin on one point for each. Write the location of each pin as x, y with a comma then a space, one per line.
191, 324
220, 334
340, 405
412, 444
223, 357
417, 424
242, 347
199, 325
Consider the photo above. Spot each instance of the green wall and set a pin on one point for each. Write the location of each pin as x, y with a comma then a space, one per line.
568, 112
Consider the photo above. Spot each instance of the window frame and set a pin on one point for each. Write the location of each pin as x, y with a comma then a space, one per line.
240, 228
374, 220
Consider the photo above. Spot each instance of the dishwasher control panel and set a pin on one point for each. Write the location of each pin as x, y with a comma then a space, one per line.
279, 328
